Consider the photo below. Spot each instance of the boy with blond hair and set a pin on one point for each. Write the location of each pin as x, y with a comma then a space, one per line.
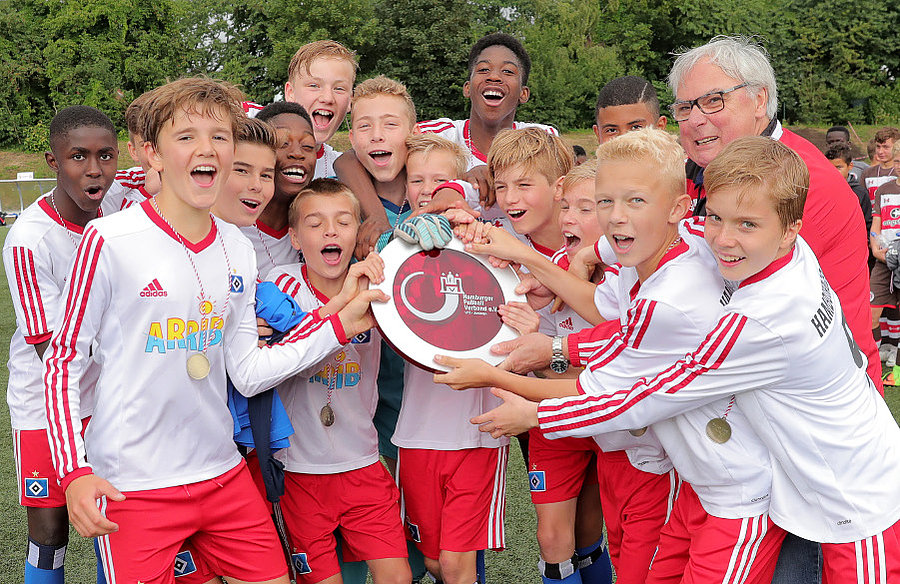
333, 467
164, 388
661, 292
320, 78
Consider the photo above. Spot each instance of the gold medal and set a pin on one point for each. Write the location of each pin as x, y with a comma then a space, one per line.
718, 430
639, 432
198, 366
327, 415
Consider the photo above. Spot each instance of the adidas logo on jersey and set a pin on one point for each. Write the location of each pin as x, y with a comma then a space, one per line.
567, 324
153, 290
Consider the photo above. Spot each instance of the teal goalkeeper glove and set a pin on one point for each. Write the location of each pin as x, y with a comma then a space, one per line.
428, 231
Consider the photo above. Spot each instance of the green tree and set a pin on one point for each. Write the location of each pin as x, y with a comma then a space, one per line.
23, 93
425, 44
568, 66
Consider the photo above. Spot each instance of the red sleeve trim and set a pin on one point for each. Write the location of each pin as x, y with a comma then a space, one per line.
78, 472
38, 339
451, 185
338, 329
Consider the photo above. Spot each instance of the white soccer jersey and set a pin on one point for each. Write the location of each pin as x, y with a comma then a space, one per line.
251, 109
153, 426
565, 320
272, 247
37, 255
458, 131
352, 372
435, 417
126, 190
666, 316
325, 158
783, 349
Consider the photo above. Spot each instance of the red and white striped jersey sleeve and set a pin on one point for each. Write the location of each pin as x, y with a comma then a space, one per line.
87, 294
584, 343
34, 292
739, 355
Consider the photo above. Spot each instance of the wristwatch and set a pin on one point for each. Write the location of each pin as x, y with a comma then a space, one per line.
559, 363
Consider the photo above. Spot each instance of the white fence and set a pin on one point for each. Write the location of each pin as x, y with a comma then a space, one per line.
22, 190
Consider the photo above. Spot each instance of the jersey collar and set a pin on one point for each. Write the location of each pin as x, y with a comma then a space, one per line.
147, 206
44, 204
321, 152
543, 250
319, 294
475, 151
270, 231
770, 269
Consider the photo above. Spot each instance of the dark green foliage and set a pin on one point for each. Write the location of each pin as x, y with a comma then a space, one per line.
835, 61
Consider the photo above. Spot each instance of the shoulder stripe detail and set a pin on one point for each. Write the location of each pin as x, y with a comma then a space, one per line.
29, 293
64, 429
434, 126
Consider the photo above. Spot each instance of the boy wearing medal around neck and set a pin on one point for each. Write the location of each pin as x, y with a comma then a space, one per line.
295, 161
333, 466
527, 168
36, 254
666, 292
782, 353
163, 390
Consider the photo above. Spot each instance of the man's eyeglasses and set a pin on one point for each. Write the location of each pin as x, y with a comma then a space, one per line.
708, 103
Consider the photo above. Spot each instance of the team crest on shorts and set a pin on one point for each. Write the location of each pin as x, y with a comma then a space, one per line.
413, 531
536, 481
184, 564
37, 488
301, 564
361, 338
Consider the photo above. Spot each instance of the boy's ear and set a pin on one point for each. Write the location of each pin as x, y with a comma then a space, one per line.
295, 239
790, 234
132, 151
558, 189
466, 90
288, 91
680, 208
524, 94
51, 161
661, 123
596, 128
153, 156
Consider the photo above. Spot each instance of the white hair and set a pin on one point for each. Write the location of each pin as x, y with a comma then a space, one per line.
740, 57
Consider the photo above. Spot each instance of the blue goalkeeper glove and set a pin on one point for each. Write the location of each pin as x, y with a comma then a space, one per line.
428, 231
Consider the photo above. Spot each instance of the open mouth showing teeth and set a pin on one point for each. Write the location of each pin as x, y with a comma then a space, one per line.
204, 175
492, 95
623, 241
322, 117
572, 240
515, 213
331, 254
704, 141
295, 173
380, 156
729, 259
250, 204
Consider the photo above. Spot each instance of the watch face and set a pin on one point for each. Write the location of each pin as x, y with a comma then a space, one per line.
559, 365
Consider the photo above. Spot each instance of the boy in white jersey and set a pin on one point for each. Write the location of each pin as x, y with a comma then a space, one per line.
334, 480
138, 183
36, 254
662, 292
295, 162
163, 390
251, 183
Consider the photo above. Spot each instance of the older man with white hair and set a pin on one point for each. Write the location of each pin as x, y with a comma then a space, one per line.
726, 89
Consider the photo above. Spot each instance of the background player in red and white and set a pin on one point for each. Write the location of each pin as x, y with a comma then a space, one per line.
885, 229
202, 275
294, 164
37, 253
138, 183
334, 479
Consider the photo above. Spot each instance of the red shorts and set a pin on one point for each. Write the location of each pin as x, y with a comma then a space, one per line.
873, 560
363, 503
695, 547
35, 475
635, 506
453, 500
225, 518
557, 469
